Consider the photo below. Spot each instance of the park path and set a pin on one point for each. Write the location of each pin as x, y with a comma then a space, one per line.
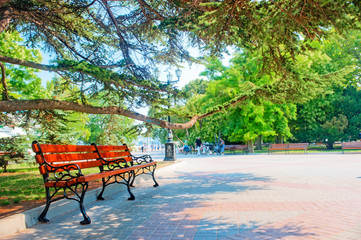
228, 197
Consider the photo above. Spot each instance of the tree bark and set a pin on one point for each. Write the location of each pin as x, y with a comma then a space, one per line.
279, 139
329, 145
259, 143
250, 146
3, 81
4, 2
6, 17
44, 104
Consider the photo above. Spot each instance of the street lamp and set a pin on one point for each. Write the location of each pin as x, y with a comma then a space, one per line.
169, 145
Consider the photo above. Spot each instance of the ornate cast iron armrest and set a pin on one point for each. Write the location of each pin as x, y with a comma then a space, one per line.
65, 172
114, 164
142, 159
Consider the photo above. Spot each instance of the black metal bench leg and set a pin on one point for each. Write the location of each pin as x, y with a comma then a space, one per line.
132, 179
42, 218
128, 182
155, 182
130, 193
82, 209
100, 196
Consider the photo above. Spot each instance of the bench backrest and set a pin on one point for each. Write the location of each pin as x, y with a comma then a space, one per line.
351, 145
84, 156
297, 145
228, 147
234, 147
278, 146
114, 152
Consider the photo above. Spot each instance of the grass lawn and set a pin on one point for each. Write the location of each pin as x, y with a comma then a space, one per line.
24, 183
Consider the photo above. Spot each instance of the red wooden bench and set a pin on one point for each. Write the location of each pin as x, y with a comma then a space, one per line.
62, 169
233, 148
287, 146
277, 147
351, 146
298, 146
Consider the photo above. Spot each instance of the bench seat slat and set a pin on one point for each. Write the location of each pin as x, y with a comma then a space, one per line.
94, 176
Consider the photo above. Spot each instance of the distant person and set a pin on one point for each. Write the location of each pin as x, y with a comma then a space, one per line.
222, 146
186, 148
198, 146
180, 149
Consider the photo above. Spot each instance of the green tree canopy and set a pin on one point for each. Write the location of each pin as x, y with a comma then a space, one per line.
113, 46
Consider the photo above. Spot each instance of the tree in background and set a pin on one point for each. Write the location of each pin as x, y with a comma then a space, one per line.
13, 149
267, 99
340, 104
111, 130
332, 131
335, 117
113, 46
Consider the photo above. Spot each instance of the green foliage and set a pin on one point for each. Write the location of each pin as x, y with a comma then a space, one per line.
13, 149
266, 25
22, 82
332, 130
111, 130
57, 127
340, 101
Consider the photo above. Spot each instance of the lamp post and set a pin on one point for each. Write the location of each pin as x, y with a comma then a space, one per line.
169, 145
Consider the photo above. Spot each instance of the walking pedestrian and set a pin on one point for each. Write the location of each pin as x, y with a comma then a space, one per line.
198, 146
222, 146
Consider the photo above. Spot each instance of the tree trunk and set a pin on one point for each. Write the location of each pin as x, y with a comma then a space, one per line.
279, 139
329, 145
250, 146
4, 165
6, 17
259, 142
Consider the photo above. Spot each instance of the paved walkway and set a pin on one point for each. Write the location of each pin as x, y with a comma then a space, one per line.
229, 197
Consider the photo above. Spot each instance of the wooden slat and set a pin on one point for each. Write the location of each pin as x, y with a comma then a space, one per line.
50, 158
351, 145
81, 165
114, 154
239, 147
61, 183
51, 148
297, 146
112, 148
42, 169
278, 146
39, 159
127, 159
86, 164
